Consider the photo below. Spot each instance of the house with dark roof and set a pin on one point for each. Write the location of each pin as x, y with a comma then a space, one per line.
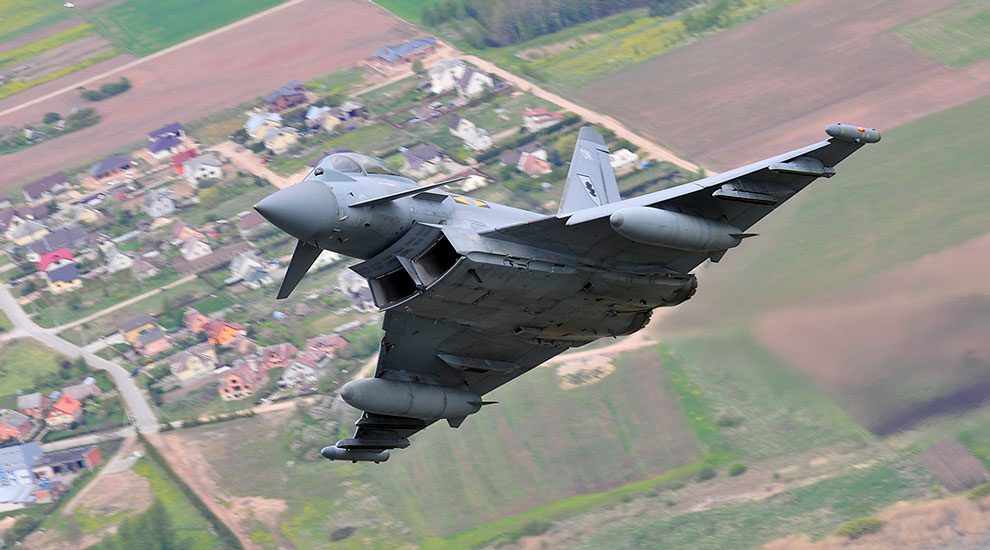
166, 146
46, 188
173, 129
109, 167
68, 461
193, 363
254, 224
64, 279
473, 83
422, 160
407, 52
24, 232
286, 97
71, 237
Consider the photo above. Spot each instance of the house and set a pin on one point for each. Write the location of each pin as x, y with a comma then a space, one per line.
71, 237
319, 118
166, 146
180, 158
473, 83
64, 279
159, 203
286, 97
537, 119
349, 109
279, 140
143, 269
25, 232
68, 461
16, 462
244, 264
515, 156
193, 363
253, 225
221, 333
54, 259
259, 123
14, 424
174, 130
326, 343
623, 160
32, 404
278, 356
241, 380
183, 232
64, 412
475, 139
422, 160
444, 75
203, 167
145, 335
534, 166
46, 188
82, 390
192, 249
406, 52
356, 289
308, 367
194, 320
109, 167
242, 345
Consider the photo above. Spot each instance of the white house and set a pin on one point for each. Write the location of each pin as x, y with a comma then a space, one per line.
444, 75
193, 249
537, 119
475, 139
159, 204
623, 160
116, 260
308, 367
244, 263
473, 83
319, 118
206, 166
422, 160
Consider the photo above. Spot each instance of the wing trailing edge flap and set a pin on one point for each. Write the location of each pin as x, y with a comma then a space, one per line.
590, 180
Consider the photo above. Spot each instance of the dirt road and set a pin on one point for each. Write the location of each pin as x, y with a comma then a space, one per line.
204, 75
248, 161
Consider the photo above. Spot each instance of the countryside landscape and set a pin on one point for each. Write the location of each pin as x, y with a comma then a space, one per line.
826, 388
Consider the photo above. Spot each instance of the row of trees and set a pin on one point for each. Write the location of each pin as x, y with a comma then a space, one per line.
497, 23
109, 89
149, 530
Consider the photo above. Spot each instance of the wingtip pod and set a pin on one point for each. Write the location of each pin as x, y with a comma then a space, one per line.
849, 132
332, 452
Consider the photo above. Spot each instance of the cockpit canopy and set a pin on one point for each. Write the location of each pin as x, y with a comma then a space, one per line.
356, 164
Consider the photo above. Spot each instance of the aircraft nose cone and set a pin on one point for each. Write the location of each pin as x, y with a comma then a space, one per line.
306, 210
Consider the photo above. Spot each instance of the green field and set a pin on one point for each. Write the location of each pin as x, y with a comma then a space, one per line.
27, 51
21, 361
142, 27
922, 189
957, 35
20, 17
410, 10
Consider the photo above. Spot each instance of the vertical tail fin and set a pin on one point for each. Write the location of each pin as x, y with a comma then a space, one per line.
590, 181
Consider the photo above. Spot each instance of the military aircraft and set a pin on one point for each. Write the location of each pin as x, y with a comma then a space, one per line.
476, 293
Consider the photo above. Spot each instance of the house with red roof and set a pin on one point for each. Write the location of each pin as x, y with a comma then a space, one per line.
55, 259
180, 158
64, 412
222, 333
537, 119
14, 424
242, 380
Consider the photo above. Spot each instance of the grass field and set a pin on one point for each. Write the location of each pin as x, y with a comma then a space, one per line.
893, 202
957, 35
816, 509
410, 10
21, 360
188, 523
142, 27
20, 17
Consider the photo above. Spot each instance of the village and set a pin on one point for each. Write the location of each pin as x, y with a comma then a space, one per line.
153, 257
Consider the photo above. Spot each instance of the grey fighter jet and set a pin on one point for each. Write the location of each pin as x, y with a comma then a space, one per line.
476, 294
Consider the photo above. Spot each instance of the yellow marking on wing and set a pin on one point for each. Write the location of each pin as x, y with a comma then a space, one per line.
462, 200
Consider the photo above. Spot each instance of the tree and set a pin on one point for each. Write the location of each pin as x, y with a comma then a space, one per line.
417, 67
51, 117
565, 143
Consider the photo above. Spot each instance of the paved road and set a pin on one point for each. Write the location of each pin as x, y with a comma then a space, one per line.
88, 439
134, 400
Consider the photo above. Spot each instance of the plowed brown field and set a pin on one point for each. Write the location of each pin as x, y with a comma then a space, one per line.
301, 41
772, 84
